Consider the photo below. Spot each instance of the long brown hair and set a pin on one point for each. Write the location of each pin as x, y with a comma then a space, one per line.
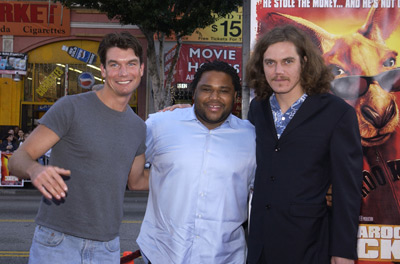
315, 76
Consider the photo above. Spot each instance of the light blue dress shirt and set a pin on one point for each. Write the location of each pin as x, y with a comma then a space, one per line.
199, 186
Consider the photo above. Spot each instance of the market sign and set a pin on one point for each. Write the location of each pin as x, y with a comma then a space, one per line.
34, 19
13, 63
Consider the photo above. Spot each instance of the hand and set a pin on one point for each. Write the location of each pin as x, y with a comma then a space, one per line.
48, 180
173, 107
339, 260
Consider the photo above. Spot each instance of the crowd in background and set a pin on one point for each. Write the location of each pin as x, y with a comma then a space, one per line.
13, 139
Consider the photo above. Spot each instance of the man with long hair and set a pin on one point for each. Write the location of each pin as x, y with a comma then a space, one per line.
307, 139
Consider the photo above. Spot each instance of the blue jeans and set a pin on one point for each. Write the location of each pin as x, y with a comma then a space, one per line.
52, 247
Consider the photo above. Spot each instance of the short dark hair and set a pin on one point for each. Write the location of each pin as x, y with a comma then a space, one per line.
123, 40
219, 66
315, 76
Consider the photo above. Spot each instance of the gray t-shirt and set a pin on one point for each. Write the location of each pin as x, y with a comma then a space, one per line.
98, 145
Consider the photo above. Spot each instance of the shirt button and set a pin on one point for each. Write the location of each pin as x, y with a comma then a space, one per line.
272, 178
268, 206
283, 118
277, 149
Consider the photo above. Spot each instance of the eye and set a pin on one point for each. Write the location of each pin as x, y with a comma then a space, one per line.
389, 62
269, 62
336, 70
288, 61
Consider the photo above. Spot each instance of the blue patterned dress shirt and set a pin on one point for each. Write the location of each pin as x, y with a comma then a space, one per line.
282, 120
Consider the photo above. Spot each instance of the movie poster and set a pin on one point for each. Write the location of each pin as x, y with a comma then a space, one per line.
360, 40
8, 180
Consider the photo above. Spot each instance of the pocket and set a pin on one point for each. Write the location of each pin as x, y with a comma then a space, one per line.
48, 237
308, 210
112, 245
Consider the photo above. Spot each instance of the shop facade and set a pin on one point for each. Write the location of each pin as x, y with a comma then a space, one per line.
61, 49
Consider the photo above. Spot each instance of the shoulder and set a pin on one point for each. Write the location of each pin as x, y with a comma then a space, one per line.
240, 123
334, 100
168, 116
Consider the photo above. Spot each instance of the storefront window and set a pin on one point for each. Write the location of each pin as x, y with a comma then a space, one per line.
46, 82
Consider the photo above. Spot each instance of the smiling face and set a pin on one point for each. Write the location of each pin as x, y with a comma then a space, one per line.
214, 98
282, 69
122, 72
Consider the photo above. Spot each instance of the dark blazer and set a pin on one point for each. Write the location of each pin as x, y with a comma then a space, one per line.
290, 221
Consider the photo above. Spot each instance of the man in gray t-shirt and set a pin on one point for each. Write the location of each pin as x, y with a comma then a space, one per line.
98, 146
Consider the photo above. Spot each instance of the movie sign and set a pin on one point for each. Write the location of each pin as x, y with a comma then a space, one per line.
192, 56
34, 19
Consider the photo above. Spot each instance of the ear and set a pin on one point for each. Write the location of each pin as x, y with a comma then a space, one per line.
103, 71
141, 69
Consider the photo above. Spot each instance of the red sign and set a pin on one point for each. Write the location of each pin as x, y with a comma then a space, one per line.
6, 179
192, 56
34, 19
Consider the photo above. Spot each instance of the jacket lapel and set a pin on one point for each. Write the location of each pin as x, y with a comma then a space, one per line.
269, 119
310, 106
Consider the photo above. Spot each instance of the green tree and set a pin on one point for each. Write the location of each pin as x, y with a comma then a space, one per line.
162, 18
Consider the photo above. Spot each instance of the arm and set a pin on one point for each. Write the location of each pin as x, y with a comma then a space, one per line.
346, 174
138, 176
173, 107
47, 179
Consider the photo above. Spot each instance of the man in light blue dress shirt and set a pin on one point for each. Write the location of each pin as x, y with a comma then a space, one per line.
203, 165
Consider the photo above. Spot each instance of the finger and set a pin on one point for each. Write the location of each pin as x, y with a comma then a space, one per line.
44, 192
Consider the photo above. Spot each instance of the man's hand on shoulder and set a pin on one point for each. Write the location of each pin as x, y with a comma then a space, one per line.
173, 107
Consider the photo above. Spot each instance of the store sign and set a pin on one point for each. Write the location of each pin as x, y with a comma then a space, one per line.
226, 29
34, 19
13, 63
192, 56
50, 81
86, 80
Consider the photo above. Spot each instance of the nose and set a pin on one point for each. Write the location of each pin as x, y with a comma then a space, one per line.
122, 71
214, 95
278, 68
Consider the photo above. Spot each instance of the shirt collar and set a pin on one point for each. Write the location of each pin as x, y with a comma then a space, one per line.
294, 107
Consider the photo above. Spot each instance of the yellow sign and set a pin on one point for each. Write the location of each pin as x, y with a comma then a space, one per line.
226, 29
49, 81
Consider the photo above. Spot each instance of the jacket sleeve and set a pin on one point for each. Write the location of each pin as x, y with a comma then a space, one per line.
346, 174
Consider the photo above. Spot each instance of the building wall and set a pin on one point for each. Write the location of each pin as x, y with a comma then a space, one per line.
87, 28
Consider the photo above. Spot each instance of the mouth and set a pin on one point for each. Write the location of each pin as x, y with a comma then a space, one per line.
214, 108
123, 82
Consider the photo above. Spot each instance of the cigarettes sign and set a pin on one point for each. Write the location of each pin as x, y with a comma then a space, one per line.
34, 19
